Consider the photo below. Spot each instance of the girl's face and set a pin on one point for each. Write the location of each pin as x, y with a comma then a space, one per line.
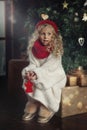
45, 35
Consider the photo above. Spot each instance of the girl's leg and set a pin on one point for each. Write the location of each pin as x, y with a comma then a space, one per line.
44, 114
31, 107
30, 110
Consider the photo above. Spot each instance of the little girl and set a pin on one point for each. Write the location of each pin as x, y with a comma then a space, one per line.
45, 74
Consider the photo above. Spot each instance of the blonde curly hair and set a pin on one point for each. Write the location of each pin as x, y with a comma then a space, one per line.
56, 39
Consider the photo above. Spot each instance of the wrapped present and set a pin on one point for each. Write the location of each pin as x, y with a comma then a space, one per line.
74, 101
71, 80
77, 77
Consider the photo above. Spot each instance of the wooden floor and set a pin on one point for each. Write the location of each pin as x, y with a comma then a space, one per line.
11, 111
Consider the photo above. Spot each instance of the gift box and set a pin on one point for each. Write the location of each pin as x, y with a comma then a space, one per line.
71, 80
74, 101
77, 77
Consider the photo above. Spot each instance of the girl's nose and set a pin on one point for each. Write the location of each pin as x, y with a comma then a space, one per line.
45, 35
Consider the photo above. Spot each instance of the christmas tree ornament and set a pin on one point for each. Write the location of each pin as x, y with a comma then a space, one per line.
84, 17
28, 86
65, 5
81, 41
76, 18
76, 13
85, 4
44, 16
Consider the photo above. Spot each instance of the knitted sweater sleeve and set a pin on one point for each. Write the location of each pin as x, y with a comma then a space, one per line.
31, 66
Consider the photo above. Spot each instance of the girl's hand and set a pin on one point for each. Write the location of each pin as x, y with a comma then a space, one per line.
50, 47
30, 75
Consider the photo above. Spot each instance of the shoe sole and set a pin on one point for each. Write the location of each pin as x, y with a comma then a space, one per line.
31, 116
45, 119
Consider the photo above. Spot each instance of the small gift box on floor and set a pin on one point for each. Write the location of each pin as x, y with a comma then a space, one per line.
71, 80
74, 101
77, 77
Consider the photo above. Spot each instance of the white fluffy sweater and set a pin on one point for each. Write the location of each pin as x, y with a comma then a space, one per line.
51, 80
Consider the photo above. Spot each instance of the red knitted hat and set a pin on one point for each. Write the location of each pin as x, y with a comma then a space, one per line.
47, 22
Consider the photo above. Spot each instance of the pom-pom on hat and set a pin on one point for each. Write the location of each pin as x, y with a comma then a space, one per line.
42, 22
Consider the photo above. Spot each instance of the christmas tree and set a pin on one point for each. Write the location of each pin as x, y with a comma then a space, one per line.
71, 18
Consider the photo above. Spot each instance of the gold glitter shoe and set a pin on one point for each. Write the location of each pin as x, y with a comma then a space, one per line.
43, 119
28, 116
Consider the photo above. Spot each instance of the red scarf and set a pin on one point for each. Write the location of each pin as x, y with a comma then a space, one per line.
39, 50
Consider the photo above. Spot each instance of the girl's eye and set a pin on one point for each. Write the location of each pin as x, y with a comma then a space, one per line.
42, 33
49, 33
46, 33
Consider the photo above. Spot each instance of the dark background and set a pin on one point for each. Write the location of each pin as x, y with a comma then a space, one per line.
70, 25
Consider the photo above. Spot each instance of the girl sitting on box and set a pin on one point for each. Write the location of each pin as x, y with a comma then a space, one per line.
44, 77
